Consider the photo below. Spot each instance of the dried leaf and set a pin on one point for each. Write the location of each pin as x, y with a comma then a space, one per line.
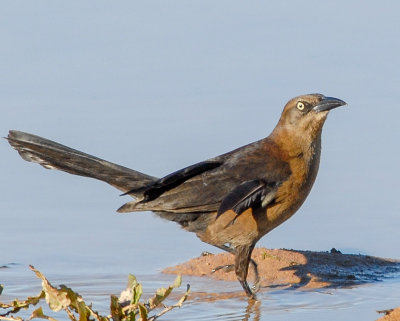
125, 308
17, 305
38, 314
185, 296
11, 318
64, 298
56, 299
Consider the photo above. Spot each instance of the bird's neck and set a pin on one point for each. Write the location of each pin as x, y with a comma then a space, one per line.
297, 144
302, 151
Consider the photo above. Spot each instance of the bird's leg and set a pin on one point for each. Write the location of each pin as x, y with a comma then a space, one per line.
230, 267
256, 285
242, 260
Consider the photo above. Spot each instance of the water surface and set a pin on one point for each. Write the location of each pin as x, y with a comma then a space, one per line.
357, 303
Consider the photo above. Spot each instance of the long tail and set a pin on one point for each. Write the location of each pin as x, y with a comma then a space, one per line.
52, 155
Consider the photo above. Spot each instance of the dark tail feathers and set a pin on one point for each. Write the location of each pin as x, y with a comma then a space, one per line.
52, 155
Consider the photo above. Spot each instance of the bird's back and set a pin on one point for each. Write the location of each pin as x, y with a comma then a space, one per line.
205, 191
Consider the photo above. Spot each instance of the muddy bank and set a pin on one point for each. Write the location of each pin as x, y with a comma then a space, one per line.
296, 269
392, 315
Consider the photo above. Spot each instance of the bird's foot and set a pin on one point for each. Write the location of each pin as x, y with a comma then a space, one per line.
249, 292
256, 286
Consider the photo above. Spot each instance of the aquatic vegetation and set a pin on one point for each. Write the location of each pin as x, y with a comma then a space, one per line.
127, 307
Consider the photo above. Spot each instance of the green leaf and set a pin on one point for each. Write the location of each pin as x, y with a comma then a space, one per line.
178, 281
135, 288
163, 293
1, 288
137, 293
142, 312
131, 316
76, 302
83, 311
116, 309
133, 291
132, 281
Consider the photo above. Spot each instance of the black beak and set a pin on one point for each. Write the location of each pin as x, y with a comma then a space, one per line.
328, 103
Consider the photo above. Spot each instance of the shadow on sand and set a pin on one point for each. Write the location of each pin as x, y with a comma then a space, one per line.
297, 269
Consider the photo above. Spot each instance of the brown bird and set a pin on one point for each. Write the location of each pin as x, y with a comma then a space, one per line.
229, 201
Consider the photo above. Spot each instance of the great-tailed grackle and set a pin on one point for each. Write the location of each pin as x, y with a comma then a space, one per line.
229, 201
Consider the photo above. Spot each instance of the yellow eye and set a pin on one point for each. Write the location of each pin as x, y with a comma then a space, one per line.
300, 105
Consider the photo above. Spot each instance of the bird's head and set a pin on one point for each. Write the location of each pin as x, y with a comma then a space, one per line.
305, 115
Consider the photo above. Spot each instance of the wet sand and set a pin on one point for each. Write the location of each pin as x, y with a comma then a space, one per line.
392, 315
298, 269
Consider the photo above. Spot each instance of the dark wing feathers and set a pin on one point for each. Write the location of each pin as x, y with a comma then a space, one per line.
247, 195
154, 190
202, 188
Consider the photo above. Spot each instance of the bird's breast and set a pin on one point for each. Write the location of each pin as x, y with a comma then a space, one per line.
294, 191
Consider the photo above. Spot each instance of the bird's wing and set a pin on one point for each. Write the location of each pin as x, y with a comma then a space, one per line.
160, 186
206, 185
249, 194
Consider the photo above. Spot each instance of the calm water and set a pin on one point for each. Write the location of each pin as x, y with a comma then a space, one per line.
359, 303
94, 258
